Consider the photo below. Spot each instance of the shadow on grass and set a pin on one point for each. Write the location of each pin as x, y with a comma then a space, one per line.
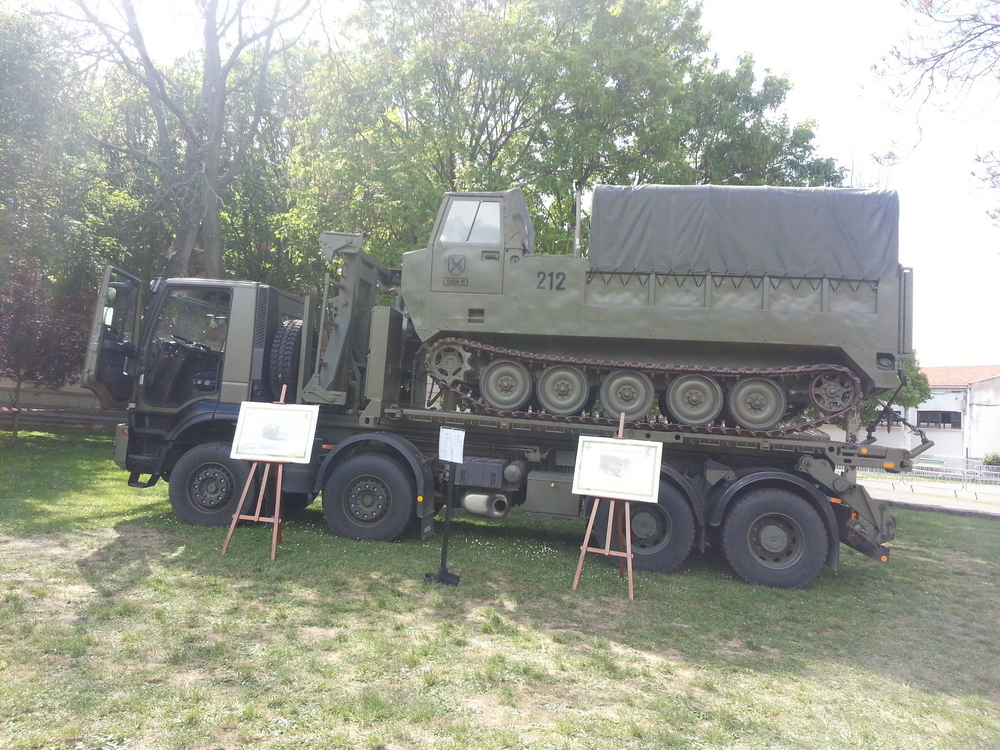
61, 482
865, 617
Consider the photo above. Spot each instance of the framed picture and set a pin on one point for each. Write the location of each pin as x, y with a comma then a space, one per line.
618, 469
280, 433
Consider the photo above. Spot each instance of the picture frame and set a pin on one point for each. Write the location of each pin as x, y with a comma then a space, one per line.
277, 433
618, 469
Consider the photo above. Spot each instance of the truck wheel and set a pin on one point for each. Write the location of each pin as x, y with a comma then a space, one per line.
206, 484
369, 497
662, 533
774, 538
284, 360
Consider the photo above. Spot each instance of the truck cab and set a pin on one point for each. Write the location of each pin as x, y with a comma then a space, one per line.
169, 355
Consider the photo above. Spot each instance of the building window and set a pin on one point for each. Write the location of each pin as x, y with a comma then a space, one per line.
940, 420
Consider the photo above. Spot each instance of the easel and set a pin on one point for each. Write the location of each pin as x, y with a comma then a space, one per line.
256, 516
623, 519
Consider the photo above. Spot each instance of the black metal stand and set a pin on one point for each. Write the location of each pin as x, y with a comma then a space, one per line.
443, 576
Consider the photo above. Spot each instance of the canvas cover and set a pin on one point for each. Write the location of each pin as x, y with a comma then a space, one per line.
839, 233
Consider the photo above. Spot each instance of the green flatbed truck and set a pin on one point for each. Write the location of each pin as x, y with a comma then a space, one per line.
729, 347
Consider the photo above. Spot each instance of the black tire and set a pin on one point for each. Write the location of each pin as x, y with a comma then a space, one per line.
774, 538
662, 533
370, 497
206, 484
284, 359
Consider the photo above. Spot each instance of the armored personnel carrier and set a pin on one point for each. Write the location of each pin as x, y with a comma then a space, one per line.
740, 310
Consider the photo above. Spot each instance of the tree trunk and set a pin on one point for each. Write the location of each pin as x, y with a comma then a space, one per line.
179, 254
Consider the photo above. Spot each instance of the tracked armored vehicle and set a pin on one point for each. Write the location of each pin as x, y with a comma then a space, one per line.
730, 308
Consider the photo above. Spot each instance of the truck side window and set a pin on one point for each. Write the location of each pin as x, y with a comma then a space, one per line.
475, 222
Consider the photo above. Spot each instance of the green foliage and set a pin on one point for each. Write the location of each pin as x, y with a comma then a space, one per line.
42, 338
739, 137
42, 142
992, 459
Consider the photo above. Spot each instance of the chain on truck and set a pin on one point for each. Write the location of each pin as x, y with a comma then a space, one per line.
728, 323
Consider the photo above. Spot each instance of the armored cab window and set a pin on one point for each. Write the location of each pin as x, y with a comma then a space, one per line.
474, 222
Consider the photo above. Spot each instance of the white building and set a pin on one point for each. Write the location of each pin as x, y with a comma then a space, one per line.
962, 415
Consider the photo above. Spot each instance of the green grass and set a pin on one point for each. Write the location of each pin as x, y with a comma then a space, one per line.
122, 628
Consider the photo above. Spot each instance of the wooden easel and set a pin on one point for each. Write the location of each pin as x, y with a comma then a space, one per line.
256, 516
624, 522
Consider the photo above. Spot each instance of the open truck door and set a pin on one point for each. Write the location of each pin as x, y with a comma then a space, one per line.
110, 366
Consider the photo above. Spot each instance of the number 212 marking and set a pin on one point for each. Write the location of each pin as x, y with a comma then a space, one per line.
553, 281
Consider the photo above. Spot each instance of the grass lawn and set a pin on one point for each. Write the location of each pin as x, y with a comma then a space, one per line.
122, 628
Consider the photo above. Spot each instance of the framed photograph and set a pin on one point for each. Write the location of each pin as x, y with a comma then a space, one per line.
618, 469
280, 433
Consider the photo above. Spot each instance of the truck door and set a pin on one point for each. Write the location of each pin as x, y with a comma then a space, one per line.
468, 250
186, 344
109, 367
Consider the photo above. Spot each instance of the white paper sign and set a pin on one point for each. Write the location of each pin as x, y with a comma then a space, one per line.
281, 433
618, 469
451, 445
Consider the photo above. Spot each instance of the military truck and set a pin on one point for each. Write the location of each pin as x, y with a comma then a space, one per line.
726, 323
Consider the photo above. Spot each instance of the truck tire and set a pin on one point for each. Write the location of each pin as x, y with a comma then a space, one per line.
206, 484
662, 533
284, 359
773, 537
370, 497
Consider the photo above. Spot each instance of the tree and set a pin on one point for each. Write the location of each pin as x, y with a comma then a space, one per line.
42, 337
958, 45
440, 95
40, 141
739, 136
956, 49
262, 241
193, 147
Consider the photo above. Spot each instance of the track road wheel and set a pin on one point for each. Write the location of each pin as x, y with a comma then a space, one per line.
206, 484
562, 390
774, 538
505, 384
756, 403
693, 399
629, 392
370, 497
662, 532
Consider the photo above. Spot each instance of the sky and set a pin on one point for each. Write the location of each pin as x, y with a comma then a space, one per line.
827, 51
